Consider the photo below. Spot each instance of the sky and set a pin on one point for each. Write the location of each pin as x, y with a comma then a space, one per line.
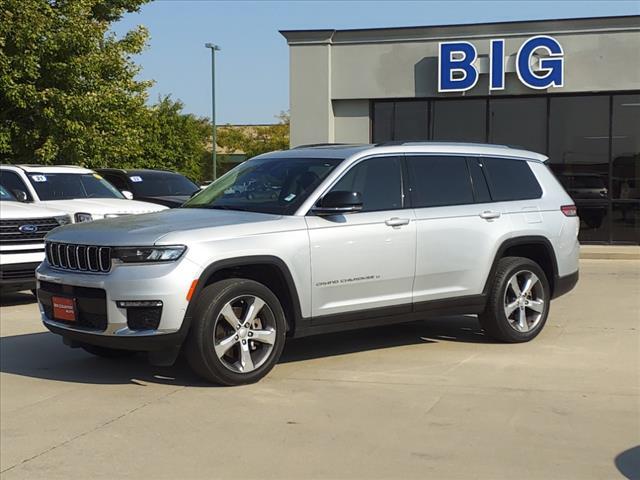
252, 68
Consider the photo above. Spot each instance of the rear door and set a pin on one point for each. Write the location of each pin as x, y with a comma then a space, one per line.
458, 226
365, 261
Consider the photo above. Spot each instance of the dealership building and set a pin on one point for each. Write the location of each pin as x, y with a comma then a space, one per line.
569, 89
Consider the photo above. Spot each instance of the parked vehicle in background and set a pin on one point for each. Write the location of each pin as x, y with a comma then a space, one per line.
22, 231
158, 186
590, 194
355, 236
77, 191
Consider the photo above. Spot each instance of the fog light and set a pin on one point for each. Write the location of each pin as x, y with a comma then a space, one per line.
138, 303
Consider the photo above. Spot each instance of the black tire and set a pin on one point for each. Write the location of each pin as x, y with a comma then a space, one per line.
199, 345
494, 319
105, 352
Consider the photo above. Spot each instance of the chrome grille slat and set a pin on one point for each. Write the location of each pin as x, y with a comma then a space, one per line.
78, 257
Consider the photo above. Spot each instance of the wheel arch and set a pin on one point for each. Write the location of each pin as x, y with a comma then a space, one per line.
534, 247
269, 270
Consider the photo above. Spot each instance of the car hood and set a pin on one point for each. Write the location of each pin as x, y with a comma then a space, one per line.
99, 207
17, 210
171, 201
148, 229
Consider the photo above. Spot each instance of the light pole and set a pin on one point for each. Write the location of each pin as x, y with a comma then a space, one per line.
213, 49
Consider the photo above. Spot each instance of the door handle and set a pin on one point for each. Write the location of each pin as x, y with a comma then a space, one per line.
488, 215
397, 222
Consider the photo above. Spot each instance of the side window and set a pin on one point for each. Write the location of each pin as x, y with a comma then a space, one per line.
12, 182
117, 181
379, 181
480, 187
439, 181
510, 179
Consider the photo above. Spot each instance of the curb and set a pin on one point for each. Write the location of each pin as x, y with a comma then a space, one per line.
599, 252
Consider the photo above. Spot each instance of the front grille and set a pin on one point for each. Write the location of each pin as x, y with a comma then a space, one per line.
11, 233
84, 258
91, 304
17, 273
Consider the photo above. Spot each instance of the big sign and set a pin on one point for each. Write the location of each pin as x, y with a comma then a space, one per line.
458, 72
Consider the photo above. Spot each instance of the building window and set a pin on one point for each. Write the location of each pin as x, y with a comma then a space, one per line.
411, 121
579, 155
460, 120
382, 122
625, 169
520, 122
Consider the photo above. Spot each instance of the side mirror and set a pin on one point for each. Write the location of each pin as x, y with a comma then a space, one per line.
339, 202
21, 196
127, 194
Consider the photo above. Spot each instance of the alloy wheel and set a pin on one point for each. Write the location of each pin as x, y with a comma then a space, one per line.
524, 301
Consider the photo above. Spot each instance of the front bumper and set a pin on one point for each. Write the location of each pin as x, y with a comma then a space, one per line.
104, 323
15, 277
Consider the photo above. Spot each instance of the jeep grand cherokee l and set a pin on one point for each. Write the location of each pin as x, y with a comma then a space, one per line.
355, 236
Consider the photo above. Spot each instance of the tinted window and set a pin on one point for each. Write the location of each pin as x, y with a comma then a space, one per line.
116, 180
382, 122
378, 180
411, 121
480, 187
6, 195
66, 186
12, 182
265, 185
520, 122
510, 179
439, 181
160, 184
460, 120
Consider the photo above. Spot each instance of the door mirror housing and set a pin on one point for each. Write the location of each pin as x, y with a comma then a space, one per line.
127, 194
21, 196
339, 202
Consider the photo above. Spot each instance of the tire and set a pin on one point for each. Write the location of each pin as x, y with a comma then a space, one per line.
503, 297
105, 352
230, 355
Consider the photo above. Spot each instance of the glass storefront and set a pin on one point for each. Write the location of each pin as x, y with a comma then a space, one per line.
593, 143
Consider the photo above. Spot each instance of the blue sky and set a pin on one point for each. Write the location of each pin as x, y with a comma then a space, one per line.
252, 70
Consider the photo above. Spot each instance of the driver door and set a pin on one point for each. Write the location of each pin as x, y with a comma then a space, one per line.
364, 261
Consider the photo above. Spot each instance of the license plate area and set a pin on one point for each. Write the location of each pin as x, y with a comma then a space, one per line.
64, 309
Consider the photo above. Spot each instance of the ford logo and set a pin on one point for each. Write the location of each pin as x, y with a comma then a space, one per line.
28, 228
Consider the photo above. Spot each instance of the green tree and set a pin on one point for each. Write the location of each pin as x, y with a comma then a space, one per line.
252, 140
68, 92
173, 140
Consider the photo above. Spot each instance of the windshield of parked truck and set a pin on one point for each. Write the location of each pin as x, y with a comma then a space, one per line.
66, 186
6, 195
268, 185
161, 184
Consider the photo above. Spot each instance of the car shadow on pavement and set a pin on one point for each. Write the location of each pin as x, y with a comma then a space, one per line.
18, 298
628, 463
42, 355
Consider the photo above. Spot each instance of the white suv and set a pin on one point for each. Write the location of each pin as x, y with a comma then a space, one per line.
334, 238
22, 231
77, 191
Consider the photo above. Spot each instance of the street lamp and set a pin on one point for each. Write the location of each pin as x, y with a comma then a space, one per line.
213, 49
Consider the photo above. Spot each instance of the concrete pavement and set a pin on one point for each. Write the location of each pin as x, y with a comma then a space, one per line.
431, 399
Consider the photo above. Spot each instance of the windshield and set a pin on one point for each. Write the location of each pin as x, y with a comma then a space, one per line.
65, 186
161, 184
6, 195
269, 185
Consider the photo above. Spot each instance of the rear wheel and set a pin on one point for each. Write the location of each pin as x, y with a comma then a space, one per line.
518, 303
238, 332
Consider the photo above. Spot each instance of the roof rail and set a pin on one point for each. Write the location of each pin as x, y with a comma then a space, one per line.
392, 143
311, 145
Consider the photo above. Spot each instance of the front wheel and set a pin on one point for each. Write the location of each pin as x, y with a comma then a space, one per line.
238, 332
518, 303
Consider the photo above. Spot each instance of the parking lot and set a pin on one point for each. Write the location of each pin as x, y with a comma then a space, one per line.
430, 399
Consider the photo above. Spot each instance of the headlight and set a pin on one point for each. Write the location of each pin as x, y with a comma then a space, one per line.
63, 219
83, 217
147, 254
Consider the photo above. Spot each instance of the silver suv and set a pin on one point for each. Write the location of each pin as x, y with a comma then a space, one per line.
318, 239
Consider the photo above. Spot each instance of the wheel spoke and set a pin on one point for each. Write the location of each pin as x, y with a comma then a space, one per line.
522, 320
246, 362
536, 305
224, 345
529, 284
510, 307
230, 316
264, 336
253, 310
513, 283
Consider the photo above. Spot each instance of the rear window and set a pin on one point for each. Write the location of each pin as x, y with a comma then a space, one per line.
510, 179
439, 181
